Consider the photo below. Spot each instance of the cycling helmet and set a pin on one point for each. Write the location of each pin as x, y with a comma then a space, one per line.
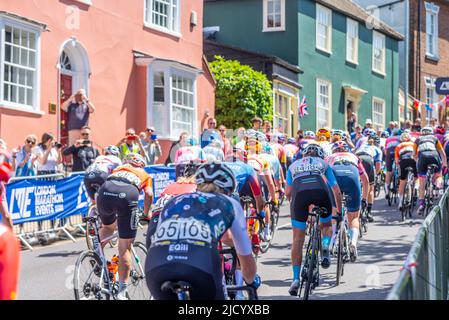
376, 140
5, 166
309, 135
291, 141
112, 150
426, 131
368, 131
255, 135
440, 130
323, 133
218, 174
385, 135
318, 150
340, 146
405, 137
135, 159
397, 132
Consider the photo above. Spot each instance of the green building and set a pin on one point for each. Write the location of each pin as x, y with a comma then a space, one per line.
350, 59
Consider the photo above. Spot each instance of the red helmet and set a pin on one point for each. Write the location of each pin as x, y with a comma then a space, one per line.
5, 166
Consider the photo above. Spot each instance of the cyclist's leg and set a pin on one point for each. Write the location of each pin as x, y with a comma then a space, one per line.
105, 206
368, 164
422, 175
403, 164
389, 173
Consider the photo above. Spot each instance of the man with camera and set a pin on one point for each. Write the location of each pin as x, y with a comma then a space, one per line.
153, 148
83, 151
78, 107
130, 144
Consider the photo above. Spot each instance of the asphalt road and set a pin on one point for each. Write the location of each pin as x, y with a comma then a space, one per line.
47, 272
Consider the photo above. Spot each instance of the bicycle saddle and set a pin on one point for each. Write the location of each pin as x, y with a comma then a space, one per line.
172, 286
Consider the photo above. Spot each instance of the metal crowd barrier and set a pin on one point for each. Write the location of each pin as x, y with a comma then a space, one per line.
425, 274
31, 233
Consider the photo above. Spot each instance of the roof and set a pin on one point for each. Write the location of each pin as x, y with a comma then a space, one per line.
144, 59
270, 58
354, 11
43, 26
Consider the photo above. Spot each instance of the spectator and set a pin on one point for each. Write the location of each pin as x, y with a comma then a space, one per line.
351, 118
368, 124
390, 128
408, 125
267, 127
240, 136
143, 138
257, 123
175, 147
130, 144
48, 154
209, 134
78, 108
417, 126
226, 144
84, 154
23, 161
153, 148
433, 122
357, 134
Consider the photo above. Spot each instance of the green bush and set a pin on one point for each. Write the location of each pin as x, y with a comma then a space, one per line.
241, 94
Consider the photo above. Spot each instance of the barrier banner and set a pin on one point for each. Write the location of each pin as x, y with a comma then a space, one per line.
162, 177
39, 200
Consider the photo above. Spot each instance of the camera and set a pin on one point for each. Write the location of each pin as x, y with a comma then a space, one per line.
58, 145
86, 142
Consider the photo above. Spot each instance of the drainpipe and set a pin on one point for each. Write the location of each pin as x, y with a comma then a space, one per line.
418, 60
407, 58
58, 103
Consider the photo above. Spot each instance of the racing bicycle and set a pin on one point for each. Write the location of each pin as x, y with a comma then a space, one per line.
342, 240
394, 186
409, 198
430, 195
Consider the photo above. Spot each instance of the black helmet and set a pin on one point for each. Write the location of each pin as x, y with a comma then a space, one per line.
217, 173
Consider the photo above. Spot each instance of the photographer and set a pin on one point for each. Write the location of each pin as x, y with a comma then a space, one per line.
48, 154
153, 148
83, 152
130, 144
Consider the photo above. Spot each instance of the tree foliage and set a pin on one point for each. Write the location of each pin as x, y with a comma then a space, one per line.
241, 94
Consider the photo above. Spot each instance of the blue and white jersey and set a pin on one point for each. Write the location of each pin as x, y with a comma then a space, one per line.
242, 172
371, 150
310, 166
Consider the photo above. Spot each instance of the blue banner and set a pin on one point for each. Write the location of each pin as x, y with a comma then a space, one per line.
39, 200
162, 177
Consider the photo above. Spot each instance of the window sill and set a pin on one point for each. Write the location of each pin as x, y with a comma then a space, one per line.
353, 63
163, 30
432, 57
324, 51
17, 107
273, 29
379, 73
86, 2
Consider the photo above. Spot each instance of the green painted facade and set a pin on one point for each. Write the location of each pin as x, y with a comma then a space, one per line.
241, 24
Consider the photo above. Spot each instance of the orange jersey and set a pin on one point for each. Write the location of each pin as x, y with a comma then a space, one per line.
136, 176
403, 149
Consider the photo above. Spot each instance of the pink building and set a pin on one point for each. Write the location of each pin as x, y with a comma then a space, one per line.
140, 61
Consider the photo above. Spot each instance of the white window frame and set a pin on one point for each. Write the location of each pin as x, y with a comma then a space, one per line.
328, 12
265, 17
432, 10
148, 16
352, 55
168, 71
15, 23
383, 39
430, 85
376, 124
320, 82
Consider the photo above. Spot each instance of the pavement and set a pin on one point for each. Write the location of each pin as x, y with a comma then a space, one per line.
47, 272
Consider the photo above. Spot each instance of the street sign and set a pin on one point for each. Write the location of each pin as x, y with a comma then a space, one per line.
442, 86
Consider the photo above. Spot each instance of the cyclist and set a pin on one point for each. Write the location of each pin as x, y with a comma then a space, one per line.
184, 246
371, 158
214, 151
403, 157
310, 181
349, 172
98, 172
428, 151
190, 152
340, 135
390, 146
117, 203
439, 133
9, 246
363, 140
279, 150
323, 137
309, 137
291, 148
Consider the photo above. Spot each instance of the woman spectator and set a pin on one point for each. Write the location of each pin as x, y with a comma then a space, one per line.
23, 160
175, 147
48, 154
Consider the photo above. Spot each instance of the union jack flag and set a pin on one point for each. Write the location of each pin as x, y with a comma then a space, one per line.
302, 109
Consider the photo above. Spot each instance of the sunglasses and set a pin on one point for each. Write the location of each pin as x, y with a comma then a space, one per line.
85, 134
31, 141
150, 130
222, 130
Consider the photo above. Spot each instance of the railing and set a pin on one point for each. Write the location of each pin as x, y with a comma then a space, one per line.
425, 273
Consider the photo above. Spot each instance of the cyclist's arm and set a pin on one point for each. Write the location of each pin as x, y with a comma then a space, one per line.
365, 184
148, 200
415, 151
332, 181
270, 183
256, 190
396, 154
288, 186
442, 153
242, 243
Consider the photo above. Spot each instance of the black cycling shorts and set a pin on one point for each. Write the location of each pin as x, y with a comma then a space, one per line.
404, 164
198, 266
118, 200
93, 181
389, 159
306, 191
425, 159
368, 164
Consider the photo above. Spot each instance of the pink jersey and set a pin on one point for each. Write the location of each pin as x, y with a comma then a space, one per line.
346, 158
392, 141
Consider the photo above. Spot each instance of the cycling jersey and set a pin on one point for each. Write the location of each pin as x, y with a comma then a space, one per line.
260, 164
291, 150
404, 151
427, 144
104, 164
132, 175
244, 174
346, 158
98, 172
213, 154
362, 141
280, 152
274, 165
184, 244
370, 150
188, 154
392, 142
9, 263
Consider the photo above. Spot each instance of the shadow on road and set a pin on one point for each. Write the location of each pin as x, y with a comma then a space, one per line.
60, 254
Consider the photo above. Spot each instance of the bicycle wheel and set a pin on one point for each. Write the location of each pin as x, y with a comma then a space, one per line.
312, 257
137, 286
90, 228
90, 279
341, 236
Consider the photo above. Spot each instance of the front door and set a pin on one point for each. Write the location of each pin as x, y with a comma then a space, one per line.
66, 92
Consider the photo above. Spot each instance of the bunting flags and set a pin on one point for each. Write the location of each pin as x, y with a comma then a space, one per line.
430, 106
302, 109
